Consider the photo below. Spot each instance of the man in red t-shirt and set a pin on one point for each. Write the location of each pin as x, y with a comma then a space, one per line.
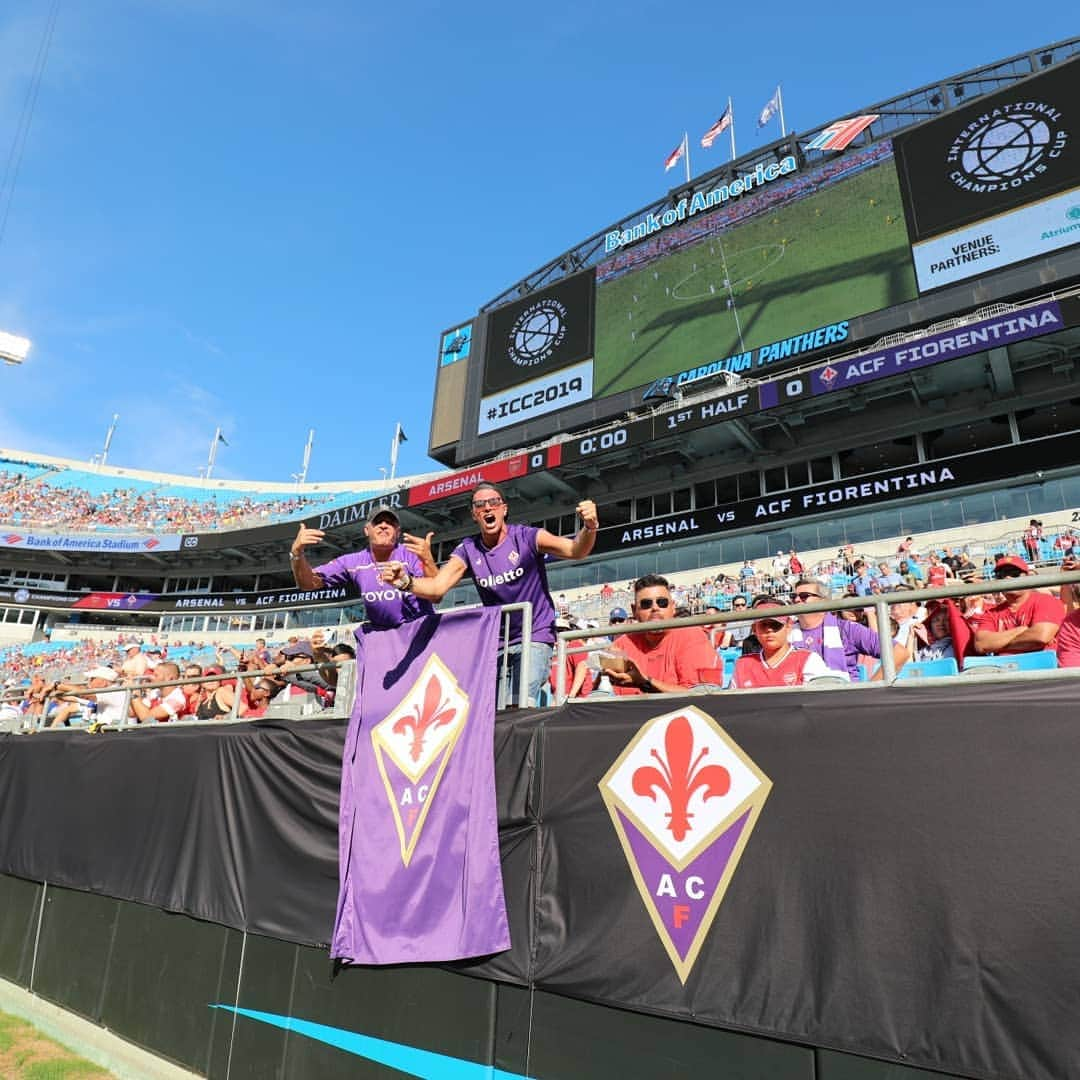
661, 661
1024, 621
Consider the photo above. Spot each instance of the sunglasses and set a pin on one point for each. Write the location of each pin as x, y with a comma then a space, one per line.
647, 602
483, 504
1007, 572
615, 622
807, 596
768, 626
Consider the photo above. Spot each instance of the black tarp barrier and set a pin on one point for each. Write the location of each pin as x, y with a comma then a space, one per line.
909, 892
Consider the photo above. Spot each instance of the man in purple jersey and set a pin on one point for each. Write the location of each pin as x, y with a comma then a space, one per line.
506, 562
385, 606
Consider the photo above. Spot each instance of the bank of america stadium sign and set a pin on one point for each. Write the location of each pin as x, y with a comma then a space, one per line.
653, 223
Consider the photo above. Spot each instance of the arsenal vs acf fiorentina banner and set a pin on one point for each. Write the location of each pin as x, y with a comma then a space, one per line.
420, 877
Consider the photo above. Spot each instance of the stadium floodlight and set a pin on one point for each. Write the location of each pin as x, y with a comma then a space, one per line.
13, 349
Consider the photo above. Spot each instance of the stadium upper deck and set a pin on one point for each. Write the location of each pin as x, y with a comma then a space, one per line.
961, 408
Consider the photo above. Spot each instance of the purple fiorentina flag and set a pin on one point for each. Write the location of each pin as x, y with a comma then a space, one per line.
420, 874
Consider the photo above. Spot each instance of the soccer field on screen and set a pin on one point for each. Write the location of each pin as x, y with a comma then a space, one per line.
834, 254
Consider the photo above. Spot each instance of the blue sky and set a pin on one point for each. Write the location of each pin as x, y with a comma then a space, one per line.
262, 215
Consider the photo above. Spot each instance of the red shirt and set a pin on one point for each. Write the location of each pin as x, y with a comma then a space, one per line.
573, 660
677, 658
1068, 641
752, 671
1036, 608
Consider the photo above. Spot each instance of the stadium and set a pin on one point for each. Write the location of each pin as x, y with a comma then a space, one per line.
824, 347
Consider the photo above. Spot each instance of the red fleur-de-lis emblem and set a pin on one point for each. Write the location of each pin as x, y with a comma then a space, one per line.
434, 713
679, 777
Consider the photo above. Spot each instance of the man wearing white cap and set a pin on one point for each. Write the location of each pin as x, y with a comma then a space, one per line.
109, 705
384, 605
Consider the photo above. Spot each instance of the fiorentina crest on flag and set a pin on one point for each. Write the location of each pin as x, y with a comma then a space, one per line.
684, 799
413, 746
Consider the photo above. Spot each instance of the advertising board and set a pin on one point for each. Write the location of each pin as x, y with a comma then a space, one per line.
539, 354
996, 182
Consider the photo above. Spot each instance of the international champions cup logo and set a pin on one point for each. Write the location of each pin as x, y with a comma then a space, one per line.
537, 332
684, 799
1006, 147
413, 745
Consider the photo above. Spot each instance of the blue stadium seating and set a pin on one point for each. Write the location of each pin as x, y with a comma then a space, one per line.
1044, 660
928, 669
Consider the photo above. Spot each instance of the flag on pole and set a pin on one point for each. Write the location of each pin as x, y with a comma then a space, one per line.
839, 135
400, 435
722, 124
673, 158
772, 107
221, 438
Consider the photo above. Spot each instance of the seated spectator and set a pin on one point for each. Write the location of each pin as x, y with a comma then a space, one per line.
912, 572
888, 579
257, 699
777, 664
107, 707
665, 660
1065, 541
161, 704
192, 692
934, 640
909, 617
937, 572
966, 570
135, 663
839, 642
217, 696
1024, 621
577, 678
862, 585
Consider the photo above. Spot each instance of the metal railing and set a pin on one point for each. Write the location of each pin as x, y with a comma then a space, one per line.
345, 690
880, 603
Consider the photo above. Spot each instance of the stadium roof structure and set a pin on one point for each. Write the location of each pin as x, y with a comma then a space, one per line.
893, 115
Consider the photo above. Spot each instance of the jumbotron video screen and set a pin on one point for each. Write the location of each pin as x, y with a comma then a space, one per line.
783, 262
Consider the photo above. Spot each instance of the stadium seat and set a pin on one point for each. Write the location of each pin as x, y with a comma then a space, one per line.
1044, 660
928, 669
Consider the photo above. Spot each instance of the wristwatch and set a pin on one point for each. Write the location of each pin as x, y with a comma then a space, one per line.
406, 585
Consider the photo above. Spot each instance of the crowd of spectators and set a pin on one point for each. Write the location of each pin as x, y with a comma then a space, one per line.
847, 645
96, 682
57, 502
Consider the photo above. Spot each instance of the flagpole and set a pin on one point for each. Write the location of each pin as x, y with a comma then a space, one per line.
394, 449
731, 113
213, 452
780, 102
686, 153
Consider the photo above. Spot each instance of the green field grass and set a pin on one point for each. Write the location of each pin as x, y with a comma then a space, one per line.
838, 253
25, 1054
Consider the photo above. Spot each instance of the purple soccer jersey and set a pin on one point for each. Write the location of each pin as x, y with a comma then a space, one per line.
512, 572
385, 606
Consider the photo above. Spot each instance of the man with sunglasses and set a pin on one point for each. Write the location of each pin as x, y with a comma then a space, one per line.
660, 661
778, 664
1025, 620
839, 642
507, 565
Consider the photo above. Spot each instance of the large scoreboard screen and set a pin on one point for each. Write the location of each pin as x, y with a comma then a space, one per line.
784, 263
